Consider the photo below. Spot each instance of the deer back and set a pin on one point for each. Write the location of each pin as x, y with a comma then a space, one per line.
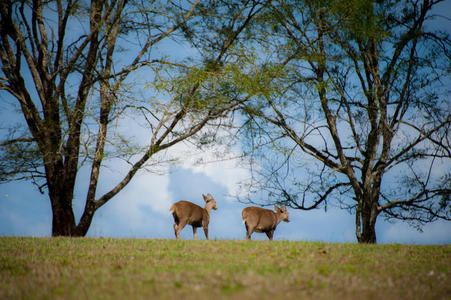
259, 218
193, 213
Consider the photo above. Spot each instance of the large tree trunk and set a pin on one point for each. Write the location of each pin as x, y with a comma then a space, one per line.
61, 194
366, 215
367, 234
63, 222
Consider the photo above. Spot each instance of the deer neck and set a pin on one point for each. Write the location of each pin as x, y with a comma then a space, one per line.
208, 208
278, 218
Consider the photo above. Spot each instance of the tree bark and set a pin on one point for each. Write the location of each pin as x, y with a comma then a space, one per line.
63, 220
366, 216
368, 233
86, 219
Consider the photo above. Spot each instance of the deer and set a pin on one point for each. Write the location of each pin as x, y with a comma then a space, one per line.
185, 212
263, 220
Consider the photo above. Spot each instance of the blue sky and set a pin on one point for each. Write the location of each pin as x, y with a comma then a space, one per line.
141, 210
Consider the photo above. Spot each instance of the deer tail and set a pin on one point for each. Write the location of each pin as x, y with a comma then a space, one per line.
172, 209
244, 216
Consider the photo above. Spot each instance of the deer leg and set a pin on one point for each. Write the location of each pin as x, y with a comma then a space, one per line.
178, 227
270, 234
249, 231
194, 233
175, 231
206, 232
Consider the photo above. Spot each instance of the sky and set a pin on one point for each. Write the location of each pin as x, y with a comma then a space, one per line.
141, 210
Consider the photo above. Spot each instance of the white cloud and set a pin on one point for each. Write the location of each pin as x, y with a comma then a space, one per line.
132, 208
140, 210
225, 173
146, 190
220, 165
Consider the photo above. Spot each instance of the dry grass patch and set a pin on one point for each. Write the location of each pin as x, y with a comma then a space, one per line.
74, 268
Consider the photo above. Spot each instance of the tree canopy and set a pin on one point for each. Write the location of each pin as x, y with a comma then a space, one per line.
361, 114
76, 69
342, 103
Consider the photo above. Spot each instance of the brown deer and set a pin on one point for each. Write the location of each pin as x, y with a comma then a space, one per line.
185, 212
263, 220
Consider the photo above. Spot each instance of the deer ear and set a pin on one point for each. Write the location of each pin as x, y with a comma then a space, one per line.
283, 207
276, 208
205, 197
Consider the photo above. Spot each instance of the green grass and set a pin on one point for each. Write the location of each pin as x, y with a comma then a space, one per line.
101, 268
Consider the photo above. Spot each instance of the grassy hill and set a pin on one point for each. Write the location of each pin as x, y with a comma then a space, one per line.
81, 268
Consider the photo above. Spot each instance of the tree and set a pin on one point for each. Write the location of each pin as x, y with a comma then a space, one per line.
362, 111
74, 68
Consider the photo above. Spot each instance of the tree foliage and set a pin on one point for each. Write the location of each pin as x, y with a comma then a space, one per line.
345, 102
362, 112
81, 70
